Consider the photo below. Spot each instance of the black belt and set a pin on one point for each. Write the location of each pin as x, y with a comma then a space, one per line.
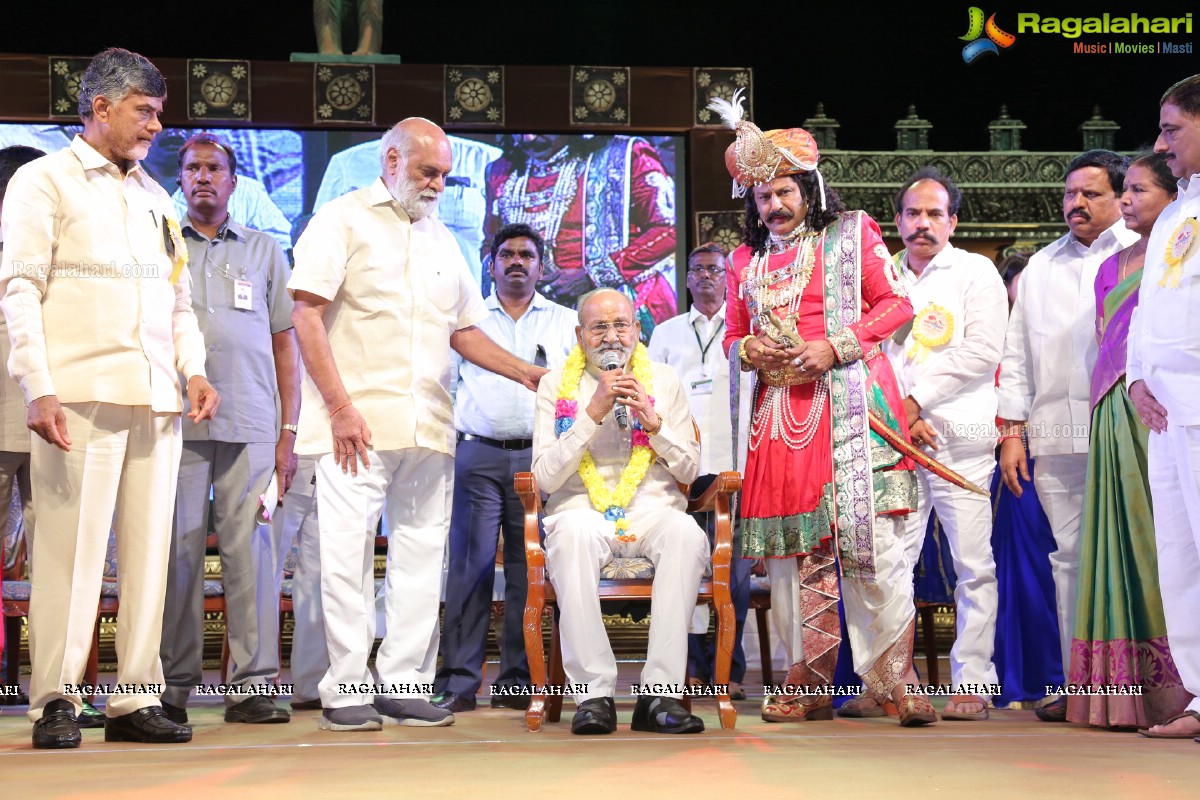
503, 444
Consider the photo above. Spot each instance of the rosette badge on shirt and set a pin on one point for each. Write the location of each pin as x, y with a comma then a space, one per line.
933, 327
175, 245
1178, 248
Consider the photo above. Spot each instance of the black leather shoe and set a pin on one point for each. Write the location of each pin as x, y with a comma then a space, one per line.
90, 717
517, 702
664, 715
57, 729
177, 714
1054, 712
257, 710
595, 716
453, 702
147, 725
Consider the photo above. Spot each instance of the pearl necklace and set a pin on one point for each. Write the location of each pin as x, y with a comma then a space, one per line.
517, 204
761, 281
774, 417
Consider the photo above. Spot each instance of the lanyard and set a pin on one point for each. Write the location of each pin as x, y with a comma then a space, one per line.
704, 348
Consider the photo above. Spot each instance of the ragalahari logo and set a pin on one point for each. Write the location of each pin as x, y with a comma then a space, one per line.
976, 28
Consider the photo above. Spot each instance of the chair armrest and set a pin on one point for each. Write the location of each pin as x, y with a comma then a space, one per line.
726, 484
531, 499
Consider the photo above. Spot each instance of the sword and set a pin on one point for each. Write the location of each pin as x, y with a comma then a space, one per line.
936, 467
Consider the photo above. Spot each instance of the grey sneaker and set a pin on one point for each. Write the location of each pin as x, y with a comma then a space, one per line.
351, 718
412, 711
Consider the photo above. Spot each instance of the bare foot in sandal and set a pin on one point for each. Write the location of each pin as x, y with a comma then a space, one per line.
1183, 726
966, 707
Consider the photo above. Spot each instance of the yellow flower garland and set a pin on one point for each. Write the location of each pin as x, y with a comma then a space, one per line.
610, 502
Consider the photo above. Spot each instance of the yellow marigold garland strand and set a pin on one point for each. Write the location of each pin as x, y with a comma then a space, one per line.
610, 502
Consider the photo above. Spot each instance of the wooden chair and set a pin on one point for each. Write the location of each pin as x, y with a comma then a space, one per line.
714, 588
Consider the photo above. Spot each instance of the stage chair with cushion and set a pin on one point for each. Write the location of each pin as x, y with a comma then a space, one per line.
624, 579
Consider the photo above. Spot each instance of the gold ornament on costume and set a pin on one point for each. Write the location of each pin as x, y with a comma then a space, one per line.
1178, 249
933, 327
759, 157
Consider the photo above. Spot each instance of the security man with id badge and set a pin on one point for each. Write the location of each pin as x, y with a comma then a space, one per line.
244, 454
494, 419
691, 344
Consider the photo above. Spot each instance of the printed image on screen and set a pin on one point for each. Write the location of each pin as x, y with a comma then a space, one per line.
605, 205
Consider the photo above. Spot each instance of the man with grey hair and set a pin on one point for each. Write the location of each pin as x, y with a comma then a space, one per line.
382, 295
98, 305
596, 417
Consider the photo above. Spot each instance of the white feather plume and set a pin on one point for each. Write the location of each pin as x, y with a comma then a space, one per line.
731, 113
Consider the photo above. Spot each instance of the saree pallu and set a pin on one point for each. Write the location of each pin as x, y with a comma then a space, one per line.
1120, 637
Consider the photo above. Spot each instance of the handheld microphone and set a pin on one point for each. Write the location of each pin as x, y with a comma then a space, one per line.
612, 360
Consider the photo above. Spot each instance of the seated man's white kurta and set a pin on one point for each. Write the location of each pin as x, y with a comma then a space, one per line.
585, 460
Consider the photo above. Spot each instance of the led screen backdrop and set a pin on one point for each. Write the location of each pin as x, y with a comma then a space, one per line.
606, 205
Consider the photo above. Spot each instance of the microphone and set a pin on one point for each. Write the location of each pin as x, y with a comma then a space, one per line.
612, 360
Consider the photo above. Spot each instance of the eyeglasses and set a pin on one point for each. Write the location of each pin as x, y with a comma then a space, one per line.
711, 269
601, 329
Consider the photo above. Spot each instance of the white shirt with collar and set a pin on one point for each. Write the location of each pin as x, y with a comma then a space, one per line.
1164, 336
691, 344
397, 289
954, 383
86, 284
486, 404
1050, 347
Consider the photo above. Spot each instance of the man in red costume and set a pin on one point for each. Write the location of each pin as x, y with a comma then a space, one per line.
812, 292
614, 187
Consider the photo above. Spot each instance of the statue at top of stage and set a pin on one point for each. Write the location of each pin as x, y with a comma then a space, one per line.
327, 19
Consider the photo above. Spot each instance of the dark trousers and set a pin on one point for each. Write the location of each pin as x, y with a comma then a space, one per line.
702, 648
485, 505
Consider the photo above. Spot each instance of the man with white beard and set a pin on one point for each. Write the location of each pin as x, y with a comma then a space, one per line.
614, 431
382, 294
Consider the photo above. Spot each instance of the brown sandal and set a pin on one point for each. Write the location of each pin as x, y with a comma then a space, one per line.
962, 699
915, 710
857, 708
1150, 735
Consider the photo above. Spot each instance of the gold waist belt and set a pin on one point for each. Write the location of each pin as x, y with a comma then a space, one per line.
788, 376
792, 376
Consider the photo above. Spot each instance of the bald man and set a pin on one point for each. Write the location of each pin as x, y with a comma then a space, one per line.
382, 294
590, 409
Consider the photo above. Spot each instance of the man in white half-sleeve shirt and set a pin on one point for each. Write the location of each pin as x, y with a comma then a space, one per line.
946, 369
1045, 374
1164, 384
98, 303
691, 344
382, 295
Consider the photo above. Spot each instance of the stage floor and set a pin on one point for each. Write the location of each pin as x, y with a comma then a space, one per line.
489, 754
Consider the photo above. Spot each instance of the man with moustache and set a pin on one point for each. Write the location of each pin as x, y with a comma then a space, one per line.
617, 184
583, 447
1045, 374
98, 305
1164, 384
812, 293
239, 294
382, 295
691, 344
946, 367
494, 419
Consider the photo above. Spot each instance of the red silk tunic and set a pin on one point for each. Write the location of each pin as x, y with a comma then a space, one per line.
786, 493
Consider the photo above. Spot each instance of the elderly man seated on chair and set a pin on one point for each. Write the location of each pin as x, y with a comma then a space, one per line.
612, 436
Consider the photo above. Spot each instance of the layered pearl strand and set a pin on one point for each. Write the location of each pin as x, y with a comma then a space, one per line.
517, 204
774, 417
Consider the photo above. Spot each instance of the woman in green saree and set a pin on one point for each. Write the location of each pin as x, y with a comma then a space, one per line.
1120, 638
